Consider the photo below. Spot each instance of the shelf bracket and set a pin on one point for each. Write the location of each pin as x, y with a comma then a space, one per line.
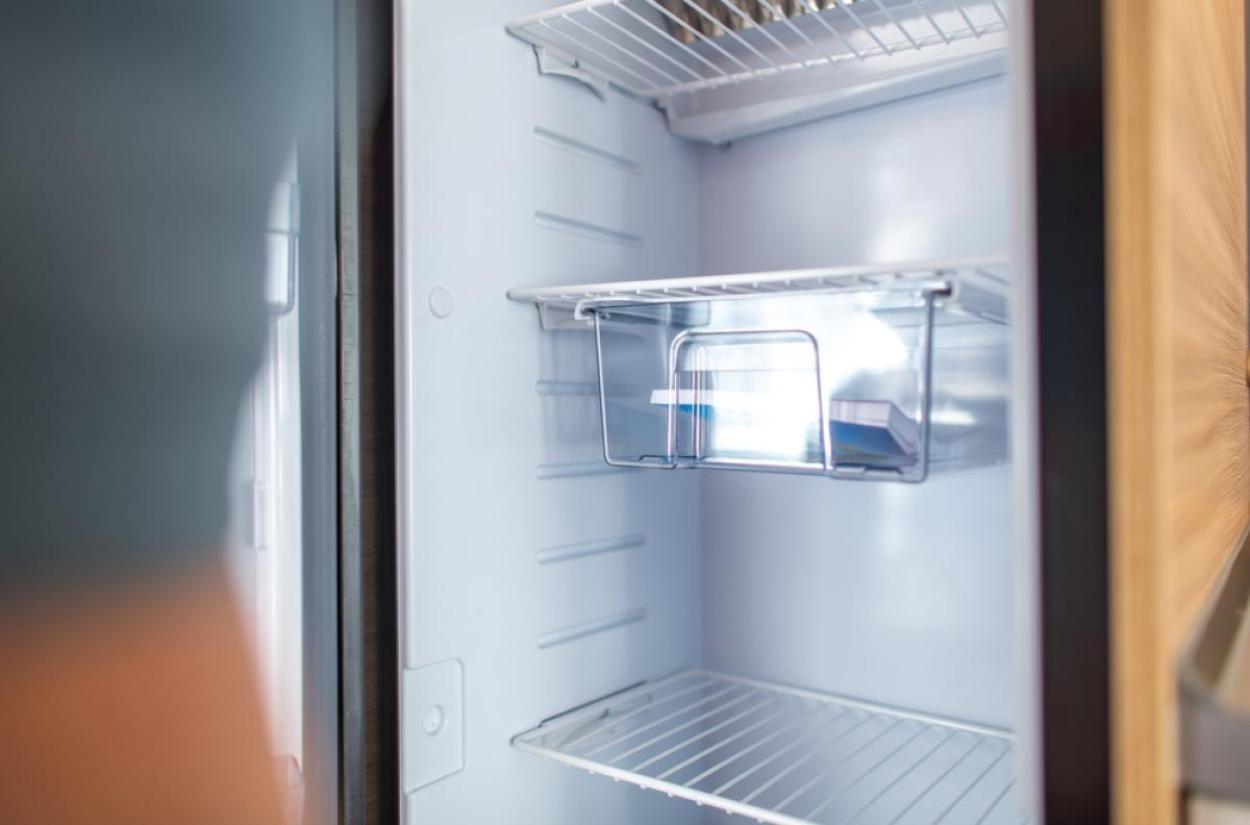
549, 63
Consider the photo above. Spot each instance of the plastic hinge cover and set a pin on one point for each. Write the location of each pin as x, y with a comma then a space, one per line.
433, 723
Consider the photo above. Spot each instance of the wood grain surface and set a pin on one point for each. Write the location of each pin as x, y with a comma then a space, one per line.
1179, 425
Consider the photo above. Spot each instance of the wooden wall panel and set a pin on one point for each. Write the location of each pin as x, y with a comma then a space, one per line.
1179, 419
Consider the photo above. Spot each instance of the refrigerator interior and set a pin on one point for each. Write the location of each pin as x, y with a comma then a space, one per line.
869, 627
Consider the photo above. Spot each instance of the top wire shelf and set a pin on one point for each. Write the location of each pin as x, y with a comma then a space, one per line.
662, 49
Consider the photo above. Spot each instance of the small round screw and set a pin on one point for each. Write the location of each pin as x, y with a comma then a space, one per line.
434, 720
440, 302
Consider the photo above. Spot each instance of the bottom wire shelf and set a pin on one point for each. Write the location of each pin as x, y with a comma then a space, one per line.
786, 756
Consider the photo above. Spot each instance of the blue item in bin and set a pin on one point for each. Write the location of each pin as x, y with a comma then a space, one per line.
665, 398
871, 433
703, 411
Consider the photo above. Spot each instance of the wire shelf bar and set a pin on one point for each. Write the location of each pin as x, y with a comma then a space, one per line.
972, 28
648, 46
797, 764
894, 21
660, 721
788, 757
617, 27
941, 32
808, 8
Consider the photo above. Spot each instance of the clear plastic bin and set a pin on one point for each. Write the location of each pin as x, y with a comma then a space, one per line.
816, 372
818, 383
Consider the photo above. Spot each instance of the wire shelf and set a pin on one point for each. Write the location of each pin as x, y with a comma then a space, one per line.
974, 287
661, 48
785, 756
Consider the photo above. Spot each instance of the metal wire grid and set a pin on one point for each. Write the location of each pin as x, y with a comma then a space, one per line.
582, 297
631, 42
787, 757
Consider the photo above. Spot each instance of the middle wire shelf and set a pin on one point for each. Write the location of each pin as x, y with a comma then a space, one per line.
813, 372
785, 756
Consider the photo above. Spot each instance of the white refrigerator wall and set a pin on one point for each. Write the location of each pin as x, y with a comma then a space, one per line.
894, 592
533, 577
548, 579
